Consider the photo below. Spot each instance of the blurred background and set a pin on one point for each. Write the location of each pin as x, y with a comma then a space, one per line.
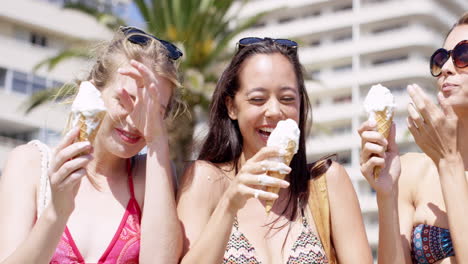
346, 46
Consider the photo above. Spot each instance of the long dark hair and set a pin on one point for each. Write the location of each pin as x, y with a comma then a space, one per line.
224, 142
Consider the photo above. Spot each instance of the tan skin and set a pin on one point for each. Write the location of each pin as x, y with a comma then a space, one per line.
90, 192
432, 188
211, 196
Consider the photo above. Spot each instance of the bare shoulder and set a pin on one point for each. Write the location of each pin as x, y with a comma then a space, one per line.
23, 164
203, 180
18, 190
415, 161
337, 177
414, 167
201, 173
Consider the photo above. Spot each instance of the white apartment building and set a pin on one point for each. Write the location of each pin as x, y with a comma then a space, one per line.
347, 46
31, 31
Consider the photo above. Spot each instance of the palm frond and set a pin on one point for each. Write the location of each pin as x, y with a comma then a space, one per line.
49, 95
73, 53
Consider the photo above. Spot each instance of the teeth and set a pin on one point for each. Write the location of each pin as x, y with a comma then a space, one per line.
129, 136
267, 129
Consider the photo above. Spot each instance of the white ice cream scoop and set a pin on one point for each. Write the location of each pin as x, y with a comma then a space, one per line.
285, 131
88, 103
379, 98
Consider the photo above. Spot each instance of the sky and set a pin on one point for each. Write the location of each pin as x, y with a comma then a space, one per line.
133, 16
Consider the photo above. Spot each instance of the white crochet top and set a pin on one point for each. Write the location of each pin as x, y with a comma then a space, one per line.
44, 188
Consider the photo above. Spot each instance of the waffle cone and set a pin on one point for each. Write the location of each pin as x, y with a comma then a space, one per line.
287, 160
84, 136
383, 127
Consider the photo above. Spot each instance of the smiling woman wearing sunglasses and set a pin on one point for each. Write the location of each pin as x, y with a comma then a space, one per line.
423, 197
92, 202
223, 194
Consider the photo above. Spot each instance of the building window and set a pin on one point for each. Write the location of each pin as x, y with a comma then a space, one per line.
38, 39
56, 84
343, 68
390, 60
259, 25
342, 99
314, 13
315, 74
20, 82
38, 84
343, 37
345, 7
314, 43
285, 20
387, 28
344, 159
2, 77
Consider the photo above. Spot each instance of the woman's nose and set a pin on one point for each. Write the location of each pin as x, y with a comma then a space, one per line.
448, 68
273, 108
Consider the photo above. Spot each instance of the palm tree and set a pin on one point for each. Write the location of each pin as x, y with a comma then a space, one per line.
203, 28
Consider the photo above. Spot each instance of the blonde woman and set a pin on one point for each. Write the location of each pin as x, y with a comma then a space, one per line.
99, 190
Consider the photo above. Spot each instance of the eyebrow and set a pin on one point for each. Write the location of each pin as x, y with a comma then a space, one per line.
261, 89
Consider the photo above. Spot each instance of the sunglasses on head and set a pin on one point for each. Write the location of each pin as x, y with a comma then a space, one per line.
252, 40
140, 37
441, 56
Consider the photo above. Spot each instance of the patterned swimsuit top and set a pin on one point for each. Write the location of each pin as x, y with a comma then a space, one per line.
125, 245
307, 248
430, 244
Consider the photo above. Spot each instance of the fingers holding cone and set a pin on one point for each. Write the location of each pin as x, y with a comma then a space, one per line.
276, 174
384, 126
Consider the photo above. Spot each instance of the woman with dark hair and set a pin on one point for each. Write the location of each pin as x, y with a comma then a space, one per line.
426, 196
222, 198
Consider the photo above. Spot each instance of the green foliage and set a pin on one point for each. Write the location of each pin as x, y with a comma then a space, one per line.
52, 94
203, 29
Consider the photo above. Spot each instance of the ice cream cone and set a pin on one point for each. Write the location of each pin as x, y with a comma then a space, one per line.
290, 151
87, 134
384, 124
83, 127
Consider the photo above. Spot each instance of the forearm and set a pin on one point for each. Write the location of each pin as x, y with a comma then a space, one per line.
211, 245
161, 239
390, 244
455, 192
39, 246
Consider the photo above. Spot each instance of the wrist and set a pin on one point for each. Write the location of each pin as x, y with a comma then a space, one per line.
386, 199
229, 205
52, 215
158, 144
450, 160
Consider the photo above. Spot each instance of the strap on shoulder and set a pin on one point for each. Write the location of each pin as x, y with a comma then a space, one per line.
320, 208
44, 188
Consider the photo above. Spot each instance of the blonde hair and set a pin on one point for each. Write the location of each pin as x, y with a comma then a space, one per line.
111, 55
153, 54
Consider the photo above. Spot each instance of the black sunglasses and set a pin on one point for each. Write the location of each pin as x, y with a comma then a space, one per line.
441, 56
252, 40
140, 37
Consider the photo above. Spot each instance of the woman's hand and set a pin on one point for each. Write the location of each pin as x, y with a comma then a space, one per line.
67, 167
377, 151
434, 129
148, 109
252, 179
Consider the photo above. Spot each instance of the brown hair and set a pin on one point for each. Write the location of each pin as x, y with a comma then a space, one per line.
224, 140
463, 20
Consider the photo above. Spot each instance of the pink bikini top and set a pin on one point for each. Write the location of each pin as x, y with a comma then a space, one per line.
124, 247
